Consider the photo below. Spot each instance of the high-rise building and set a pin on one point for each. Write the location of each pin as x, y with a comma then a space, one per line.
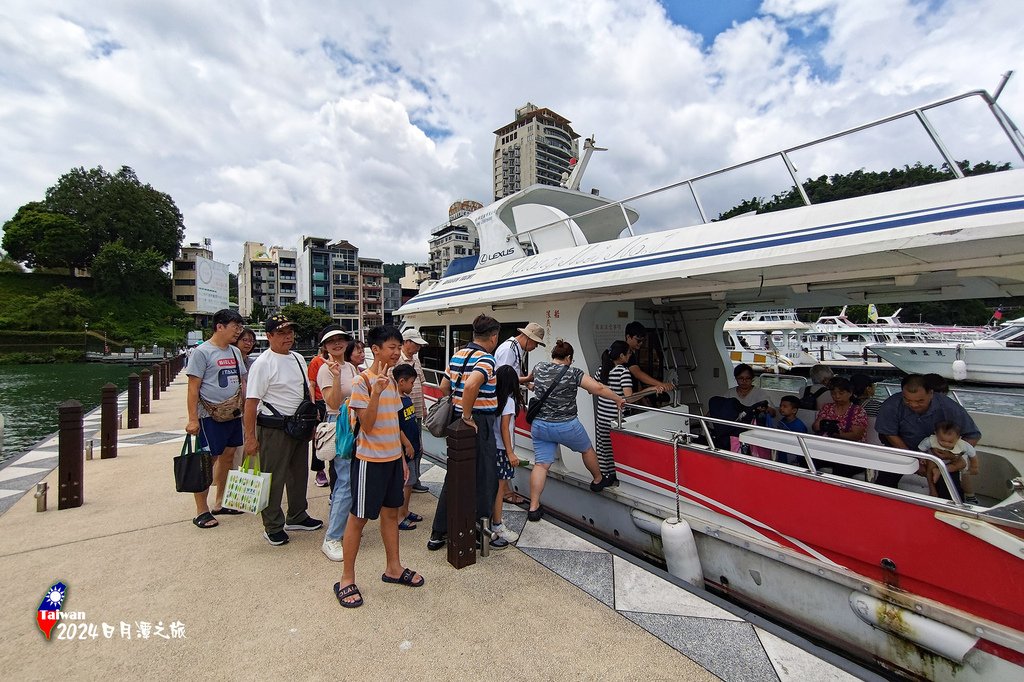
535, 148
451, 240
287, 274
199, 283
328, 278
371, 292
257, 282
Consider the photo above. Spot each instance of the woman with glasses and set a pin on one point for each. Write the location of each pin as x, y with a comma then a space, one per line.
750, 396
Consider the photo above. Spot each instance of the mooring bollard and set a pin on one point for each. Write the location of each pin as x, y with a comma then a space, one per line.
88, 450
41, 489
166, 374
133, 401
69, 455
461, 493
157, 381
108, 422
144, 391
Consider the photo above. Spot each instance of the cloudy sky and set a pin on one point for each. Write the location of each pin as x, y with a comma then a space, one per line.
364, 121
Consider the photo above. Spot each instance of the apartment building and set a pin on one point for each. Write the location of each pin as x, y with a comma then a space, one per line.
535, 148
287, 274
199, 283
371, 300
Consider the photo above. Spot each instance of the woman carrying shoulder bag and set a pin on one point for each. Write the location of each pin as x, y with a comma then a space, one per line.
556, 423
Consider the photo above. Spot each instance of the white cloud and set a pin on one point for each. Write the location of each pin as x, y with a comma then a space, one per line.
268, 121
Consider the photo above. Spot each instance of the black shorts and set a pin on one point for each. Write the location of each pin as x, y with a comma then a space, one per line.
376, 485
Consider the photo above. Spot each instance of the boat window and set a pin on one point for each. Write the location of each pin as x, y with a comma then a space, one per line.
433, 355
462, 334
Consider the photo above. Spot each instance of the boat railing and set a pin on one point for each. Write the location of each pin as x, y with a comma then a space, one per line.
919, 114
868, 456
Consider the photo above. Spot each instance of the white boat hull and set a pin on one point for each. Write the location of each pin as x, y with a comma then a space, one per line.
998, 365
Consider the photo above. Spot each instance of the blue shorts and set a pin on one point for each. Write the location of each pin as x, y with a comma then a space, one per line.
547, 436
218, 436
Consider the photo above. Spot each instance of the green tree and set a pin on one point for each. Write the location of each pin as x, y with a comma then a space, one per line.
233, 287
42, 238
258, 314
62, 308
118, 268
87, 209
858, 183
8, 264
308, 320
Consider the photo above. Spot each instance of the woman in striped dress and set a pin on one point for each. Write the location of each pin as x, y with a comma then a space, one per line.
615, 375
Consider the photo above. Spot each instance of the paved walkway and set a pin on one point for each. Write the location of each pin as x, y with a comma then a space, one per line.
559, 606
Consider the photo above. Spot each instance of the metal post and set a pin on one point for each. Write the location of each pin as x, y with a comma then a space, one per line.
166, 374
108, 422
69, 455
144, 391
41, 489
88, 450
157, 382
133, 401
461, 492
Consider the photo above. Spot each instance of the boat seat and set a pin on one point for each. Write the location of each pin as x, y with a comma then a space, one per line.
832, 450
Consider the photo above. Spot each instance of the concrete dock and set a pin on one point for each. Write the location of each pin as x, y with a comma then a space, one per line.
222, 603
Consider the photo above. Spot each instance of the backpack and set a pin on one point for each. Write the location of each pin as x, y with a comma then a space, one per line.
809, 401
345, 434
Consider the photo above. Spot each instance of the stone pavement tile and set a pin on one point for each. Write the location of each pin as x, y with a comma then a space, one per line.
589, 571
793, 664
639, 590
13, 472
516, 520
8, 493
546, 535
728, 649
37, 455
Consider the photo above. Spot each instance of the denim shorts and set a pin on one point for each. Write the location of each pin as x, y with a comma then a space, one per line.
547, 436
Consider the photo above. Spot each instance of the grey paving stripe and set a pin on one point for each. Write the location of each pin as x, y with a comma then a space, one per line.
516, 520
729, 649
153, 438
589, 571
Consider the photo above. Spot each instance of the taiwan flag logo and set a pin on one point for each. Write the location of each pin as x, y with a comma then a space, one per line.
49, 608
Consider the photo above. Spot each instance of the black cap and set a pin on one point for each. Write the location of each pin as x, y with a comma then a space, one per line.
275, 322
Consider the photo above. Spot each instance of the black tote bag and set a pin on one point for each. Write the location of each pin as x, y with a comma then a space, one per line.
193, 469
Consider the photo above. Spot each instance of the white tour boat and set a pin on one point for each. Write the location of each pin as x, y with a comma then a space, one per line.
996, 359
771, 341
927, 588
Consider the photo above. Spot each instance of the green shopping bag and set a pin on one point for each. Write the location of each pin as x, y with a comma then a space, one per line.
247, 490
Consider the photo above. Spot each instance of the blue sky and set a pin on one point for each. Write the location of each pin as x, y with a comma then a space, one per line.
710, 17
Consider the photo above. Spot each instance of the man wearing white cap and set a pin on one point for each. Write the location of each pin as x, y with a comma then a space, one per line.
513, 351
411, 344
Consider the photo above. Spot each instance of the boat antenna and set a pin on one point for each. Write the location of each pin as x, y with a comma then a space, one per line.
589, 147
1002, 84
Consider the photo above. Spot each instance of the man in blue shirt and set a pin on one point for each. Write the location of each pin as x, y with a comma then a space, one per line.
908, 417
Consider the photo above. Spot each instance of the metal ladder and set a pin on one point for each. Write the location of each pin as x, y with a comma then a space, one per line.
679, 367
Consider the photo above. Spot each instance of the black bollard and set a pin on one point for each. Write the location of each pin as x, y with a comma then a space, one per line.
461, 492
157, 382
108, 422
165, 369
144, 391
133, 401
70, 457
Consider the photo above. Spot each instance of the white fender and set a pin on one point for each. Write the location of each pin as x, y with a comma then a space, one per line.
959, 370
681, 551
928, 634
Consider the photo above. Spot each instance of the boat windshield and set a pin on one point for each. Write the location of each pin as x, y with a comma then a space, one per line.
1007, 333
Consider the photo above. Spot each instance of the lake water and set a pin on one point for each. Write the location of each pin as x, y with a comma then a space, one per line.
30, 395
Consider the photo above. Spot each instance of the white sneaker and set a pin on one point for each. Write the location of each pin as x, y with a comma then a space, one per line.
505, 533
332, 549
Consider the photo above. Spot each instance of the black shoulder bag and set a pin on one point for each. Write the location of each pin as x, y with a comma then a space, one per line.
300, 425
533, 409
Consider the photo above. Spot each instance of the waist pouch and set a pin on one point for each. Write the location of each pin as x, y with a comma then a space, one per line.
270, 421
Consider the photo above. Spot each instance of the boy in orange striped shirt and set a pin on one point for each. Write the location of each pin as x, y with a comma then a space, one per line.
379, 470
